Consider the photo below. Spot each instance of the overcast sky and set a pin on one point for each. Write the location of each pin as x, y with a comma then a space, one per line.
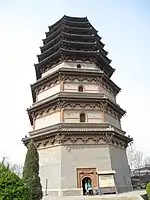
124, 26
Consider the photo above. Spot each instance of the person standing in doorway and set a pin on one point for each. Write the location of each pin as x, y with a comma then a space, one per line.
86, 188
90, 190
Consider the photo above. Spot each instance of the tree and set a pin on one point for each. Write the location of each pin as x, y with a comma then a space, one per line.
31, 172
11, 186
135, 158
17, 169
147, 162
137, 161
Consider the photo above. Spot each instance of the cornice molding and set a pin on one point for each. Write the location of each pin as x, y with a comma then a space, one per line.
81, 128
103, 138
102, 103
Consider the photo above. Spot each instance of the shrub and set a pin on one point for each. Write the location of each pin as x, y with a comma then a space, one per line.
11, 186
148, 190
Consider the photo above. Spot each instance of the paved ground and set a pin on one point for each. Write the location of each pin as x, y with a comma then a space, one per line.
134, 195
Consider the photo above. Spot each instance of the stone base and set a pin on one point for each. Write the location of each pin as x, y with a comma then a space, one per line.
134, 195
64, 192
122, 189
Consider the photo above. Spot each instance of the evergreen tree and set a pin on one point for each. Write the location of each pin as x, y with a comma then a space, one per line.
31, 172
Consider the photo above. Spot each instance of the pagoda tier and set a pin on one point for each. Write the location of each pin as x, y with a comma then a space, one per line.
72, 39
70, 74
72, 99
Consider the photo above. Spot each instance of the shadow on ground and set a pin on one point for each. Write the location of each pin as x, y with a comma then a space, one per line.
144, 196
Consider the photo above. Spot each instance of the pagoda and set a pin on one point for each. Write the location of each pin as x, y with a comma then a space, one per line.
74, 115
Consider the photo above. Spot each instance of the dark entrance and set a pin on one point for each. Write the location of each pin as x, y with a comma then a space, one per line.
85, 181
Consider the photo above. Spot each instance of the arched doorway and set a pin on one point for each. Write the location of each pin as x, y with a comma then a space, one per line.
86, 180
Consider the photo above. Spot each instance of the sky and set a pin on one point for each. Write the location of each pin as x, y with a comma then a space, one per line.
124, 26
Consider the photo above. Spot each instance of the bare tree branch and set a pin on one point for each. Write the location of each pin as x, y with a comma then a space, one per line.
17, 169
147, 162
135, 158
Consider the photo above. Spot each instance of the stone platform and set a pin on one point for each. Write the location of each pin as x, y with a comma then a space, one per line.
134, 195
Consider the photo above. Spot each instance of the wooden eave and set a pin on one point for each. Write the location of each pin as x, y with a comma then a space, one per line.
72, 23
68, 20
78, 55
78, 30
55, 24
51, 43
78, 43
66, 44
78, 52
50, 51
64, 28
102, 50
69, 38
49, 58
79, 37
49, 33
104, 57
103, 65
52, 36
73, 45
56, 58
72, 30
77, 19
62, 51
54, 28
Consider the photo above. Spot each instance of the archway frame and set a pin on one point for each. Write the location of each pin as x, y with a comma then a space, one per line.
89, 173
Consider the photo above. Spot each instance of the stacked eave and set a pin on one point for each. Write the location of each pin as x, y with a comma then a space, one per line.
72, 38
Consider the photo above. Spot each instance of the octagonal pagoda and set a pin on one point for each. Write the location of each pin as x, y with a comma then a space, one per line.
75, 117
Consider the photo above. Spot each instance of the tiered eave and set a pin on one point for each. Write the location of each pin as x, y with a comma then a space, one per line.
74, 39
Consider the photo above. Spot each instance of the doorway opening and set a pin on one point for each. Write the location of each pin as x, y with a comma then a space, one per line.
87, 186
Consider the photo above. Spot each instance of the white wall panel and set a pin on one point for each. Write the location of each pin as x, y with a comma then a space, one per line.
47, 120
49, 92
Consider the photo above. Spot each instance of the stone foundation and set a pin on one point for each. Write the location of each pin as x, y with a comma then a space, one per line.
122, 189
64, 192
134, 195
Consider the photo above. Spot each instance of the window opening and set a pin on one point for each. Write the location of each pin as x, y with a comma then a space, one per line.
82, 117
80, 88
78, 66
